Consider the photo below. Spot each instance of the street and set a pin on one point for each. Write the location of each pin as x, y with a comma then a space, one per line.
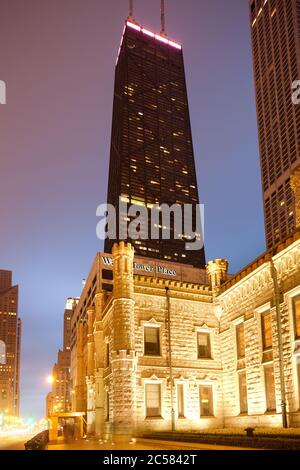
141, 444
17, 443
14, 442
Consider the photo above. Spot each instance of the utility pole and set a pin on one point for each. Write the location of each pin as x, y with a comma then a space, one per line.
280, 345
170, 360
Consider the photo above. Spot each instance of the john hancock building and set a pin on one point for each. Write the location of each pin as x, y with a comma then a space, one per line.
157, 344
152, 158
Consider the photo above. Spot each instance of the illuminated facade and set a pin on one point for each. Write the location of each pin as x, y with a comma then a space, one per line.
275, 28
217, 341
158, 344
197, 347
152, 158
10, 346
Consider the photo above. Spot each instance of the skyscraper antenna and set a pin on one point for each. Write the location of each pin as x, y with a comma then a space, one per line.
130, 9
163, 17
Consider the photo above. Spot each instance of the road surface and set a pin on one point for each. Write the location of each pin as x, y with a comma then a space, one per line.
17, 443
141, 444
14, 442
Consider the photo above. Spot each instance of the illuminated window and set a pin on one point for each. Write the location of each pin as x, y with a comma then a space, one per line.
296, 310
243, 393
240, 341
266, 330
153, 400
180, 400
204, 348
2, 353
206, 401
270, 388
151, 341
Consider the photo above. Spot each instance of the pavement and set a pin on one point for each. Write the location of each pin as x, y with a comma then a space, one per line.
140, 444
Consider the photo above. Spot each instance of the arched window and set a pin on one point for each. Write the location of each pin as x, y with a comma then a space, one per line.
2, 352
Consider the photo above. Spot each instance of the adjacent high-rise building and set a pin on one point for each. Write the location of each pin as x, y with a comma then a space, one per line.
59, 399
275, 26
152, 157
10, 346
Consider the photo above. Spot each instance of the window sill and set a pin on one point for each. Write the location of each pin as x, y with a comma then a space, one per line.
154, 418
152, 356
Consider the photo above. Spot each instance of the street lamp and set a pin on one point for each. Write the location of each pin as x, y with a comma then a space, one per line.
50, 379
274, 275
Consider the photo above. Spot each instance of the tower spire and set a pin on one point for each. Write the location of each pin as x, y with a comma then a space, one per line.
163, 17
130, 9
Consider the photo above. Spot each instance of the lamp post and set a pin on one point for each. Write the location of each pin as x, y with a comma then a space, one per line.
170, 361
50, 379
280, 344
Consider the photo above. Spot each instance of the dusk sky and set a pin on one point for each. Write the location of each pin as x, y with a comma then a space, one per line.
57, 58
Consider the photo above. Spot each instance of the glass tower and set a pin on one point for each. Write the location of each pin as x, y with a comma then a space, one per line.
152, 157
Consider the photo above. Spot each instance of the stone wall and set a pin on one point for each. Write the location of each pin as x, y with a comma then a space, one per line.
116, 389
245, 302
187, 318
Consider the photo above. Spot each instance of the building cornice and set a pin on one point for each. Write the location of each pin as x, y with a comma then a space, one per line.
280, 251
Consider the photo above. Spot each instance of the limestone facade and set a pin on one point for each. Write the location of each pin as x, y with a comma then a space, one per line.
202, 383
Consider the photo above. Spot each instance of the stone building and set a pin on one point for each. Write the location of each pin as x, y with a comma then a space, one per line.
175, 347
248, 334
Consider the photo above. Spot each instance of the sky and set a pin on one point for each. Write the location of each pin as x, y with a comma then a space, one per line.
57, 58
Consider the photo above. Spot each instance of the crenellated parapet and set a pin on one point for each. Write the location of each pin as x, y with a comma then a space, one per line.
99, 302
123, 304
217, 273
123, 255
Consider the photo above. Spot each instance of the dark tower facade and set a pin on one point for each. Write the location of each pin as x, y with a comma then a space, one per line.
275, 27
152, 157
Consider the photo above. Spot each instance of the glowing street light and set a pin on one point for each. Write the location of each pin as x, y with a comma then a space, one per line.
50, 379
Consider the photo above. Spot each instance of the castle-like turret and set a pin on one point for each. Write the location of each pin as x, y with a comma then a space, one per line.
90, 372
123, 357
217, 273
99, 365
123, 297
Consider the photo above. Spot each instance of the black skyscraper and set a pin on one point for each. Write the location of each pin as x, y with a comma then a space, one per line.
152, 158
